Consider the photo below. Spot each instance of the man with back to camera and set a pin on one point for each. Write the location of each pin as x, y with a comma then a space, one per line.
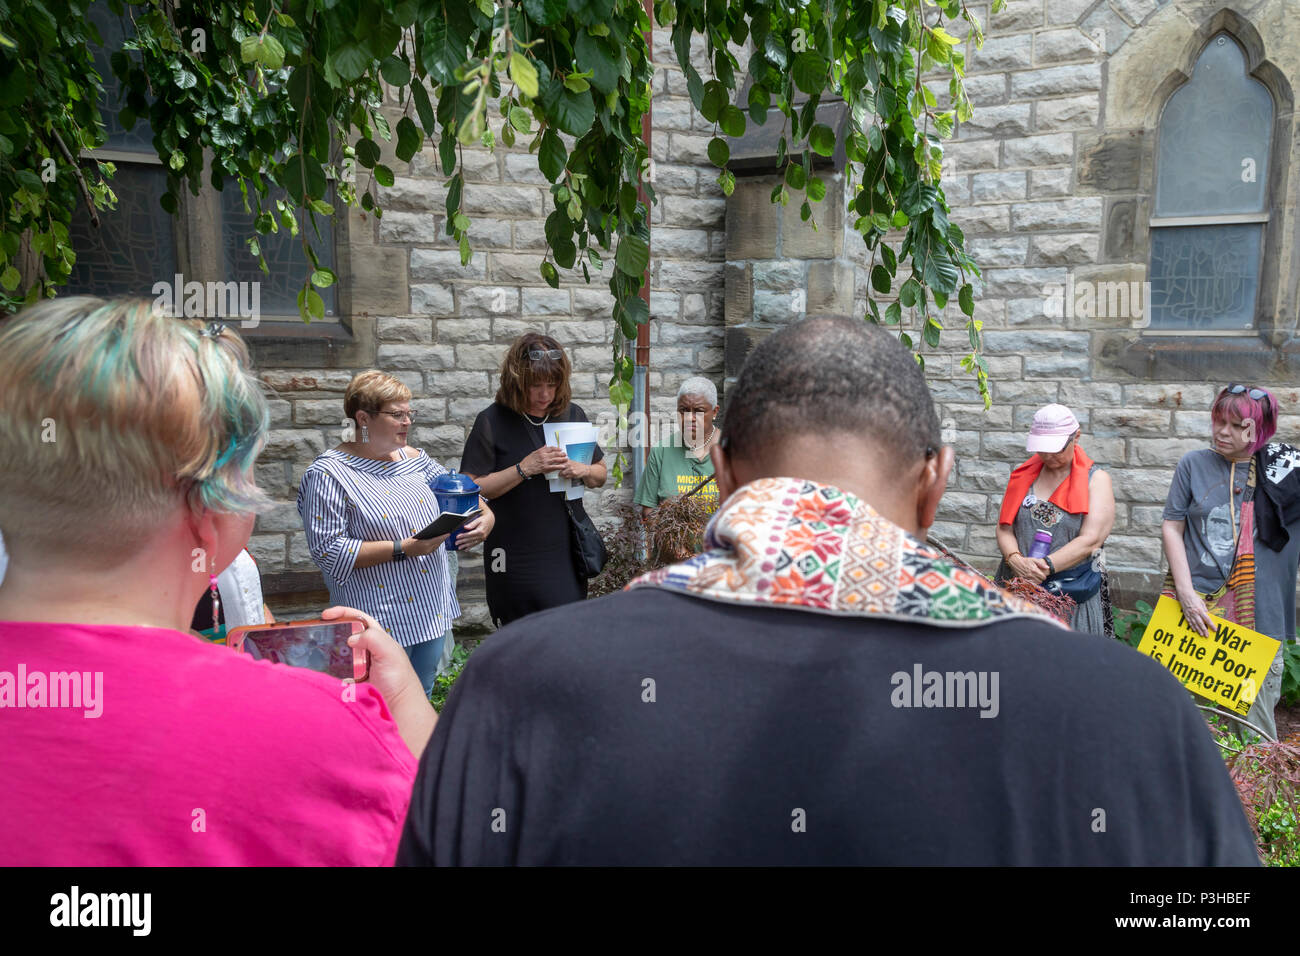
820, 687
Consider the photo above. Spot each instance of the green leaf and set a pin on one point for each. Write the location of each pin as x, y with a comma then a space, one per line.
523, 73
715, 99
566, 253
409, 139
893, 314
576, 84
719, 151
966, 299
521, 119
263, 49
550, 275
637, 310
572, 112
10, 278
633, 256
759, 100
821, 138
880, 280
796, 176
732, 121
350, 61
907, 294
320, 206
809, 72
384, 175
595, 55
367, 153
552, 156
424, 108
395, 71
545, 12
466, 253
323, 278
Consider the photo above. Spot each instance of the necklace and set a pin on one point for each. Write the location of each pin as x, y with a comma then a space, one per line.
695, 448
531, 422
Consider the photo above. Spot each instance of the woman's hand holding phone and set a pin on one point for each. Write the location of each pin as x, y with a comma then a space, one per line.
393, 676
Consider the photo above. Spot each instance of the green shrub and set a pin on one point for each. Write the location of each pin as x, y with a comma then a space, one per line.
1131, 625
443, 683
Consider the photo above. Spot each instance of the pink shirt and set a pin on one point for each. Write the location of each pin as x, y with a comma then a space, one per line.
188, 754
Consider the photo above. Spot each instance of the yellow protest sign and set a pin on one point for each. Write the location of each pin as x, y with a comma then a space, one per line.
1227, 666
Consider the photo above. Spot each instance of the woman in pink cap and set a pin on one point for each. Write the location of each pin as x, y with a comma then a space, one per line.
1056, 513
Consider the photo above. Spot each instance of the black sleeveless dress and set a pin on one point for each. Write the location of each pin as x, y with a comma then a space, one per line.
527, 559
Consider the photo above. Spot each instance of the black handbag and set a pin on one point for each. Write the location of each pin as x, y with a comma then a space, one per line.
1078, 583
589, 554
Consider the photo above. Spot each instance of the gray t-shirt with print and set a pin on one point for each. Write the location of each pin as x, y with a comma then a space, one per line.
1199, 496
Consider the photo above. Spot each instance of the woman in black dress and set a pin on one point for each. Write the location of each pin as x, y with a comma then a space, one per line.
528, 558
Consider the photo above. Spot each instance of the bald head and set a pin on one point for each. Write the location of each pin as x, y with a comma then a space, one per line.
831, 376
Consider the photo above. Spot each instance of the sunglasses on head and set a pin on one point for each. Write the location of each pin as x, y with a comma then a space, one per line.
538, 354
1258, 394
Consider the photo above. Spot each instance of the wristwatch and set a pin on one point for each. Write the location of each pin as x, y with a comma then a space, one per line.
398, 553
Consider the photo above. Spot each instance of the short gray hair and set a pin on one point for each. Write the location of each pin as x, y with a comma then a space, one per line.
700, 387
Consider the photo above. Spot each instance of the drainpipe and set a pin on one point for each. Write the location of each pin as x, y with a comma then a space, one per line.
641, 368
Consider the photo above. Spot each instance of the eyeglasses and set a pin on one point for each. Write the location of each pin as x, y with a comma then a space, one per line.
1258, 394
538, 354
399, 417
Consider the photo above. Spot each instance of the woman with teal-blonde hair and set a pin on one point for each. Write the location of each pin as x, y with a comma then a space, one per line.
127, 445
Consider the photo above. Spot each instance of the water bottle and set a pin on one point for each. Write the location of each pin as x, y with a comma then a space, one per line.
1042, 545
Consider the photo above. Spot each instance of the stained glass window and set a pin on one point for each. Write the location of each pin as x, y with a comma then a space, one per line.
1205, 277
1211, 197
134, 245
285, 256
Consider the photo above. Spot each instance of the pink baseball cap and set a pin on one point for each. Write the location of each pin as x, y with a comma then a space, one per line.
1052, 428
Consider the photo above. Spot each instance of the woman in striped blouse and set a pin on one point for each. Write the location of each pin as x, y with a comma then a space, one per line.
361, 503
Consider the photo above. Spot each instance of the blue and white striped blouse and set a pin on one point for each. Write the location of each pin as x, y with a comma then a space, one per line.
345, 500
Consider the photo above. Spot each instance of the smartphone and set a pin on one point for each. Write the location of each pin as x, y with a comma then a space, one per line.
318, 645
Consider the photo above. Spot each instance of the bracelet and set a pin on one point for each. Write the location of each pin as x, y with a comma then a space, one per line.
519, 468
1050, 566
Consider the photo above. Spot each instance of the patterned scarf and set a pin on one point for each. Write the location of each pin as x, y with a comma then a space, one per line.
795, 543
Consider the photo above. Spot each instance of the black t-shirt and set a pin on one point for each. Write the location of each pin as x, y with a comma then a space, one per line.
650, 727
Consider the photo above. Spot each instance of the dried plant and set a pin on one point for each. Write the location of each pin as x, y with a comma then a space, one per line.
673, 532
1060, 606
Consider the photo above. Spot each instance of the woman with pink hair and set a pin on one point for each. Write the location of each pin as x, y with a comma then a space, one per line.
1232, 530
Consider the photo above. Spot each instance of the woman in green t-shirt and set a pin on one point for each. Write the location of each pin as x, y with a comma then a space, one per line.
675, 467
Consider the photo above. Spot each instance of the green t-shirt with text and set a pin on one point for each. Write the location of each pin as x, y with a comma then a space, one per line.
670, 471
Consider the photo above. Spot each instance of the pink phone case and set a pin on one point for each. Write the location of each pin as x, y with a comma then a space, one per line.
317, 645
